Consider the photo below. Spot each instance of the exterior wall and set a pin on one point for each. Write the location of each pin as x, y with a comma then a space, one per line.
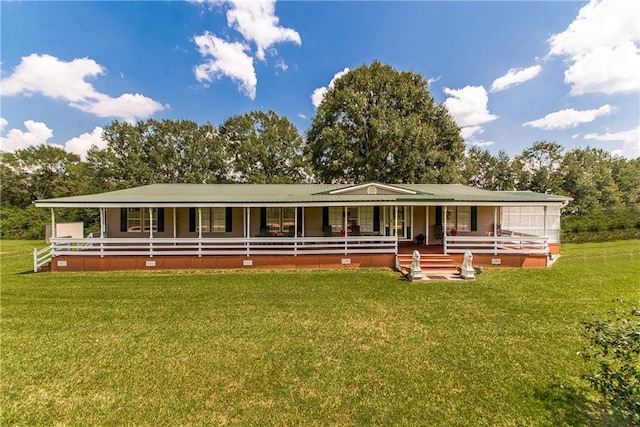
313, 222
506, 260
419, 221
114, 263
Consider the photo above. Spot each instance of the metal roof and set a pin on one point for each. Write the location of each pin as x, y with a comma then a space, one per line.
300, 194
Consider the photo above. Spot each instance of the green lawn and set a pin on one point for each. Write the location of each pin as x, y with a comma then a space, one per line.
305, 348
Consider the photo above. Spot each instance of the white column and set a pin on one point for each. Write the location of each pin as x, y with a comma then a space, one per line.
426, 225
395, 221
151, 223
53, 224
102, 222
344, 222
175, 234
444, 229
199, 231
495, 230
545, 220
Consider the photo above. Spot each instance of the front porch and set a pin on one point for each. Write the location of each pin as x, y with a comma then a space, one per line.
96, 253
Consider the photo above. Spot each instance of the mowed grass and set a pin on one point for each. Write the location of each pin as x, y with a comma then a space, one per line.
305, 348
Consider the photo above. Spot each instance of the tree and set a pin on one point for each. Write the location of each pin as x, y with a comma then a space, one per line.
541, 165
168, 151
39, 172
614, 350
586, 176
263, 148
626, 174
380, 124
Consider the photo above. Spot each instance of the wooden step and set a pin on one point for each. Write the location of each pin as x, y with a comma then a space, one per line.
429, 262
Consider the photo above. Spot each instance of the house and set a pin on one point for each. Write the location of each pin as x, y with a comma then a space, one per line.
171, 226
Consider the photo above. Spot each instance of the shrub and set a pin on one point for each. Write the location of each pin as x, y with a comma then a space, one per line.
614, 351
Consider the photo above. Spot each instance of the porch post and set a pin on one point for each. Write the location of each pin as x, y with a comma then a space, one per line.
174, 227
444, 229
295, 233
53, 223
405, 224
103, 213
199, 231
303, 221
545, 220
495, 230
248, 229
346, 232
395, 221
426, 225
150, 232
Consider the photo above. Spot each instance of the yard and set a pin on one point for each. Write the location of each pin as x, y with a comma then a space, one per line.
305, 348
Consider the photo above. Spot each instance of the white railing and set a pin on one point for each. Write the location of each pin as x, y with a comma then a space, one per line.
497, 245
225, 246
42, 257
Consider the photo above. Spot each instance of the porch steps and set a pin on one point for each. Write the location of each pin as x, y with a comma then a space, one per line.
429, 263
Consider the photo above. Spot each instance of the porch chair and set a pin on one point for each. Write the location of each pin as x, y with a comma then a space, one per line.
326, 231
355, 230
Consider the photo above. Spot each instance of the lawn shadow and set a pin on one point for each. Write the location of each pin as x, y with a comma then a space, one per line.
570, 405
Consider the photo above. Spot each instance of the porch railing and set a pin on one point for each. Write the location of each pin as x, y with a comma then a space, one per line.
534, 245
42, 257
225, 246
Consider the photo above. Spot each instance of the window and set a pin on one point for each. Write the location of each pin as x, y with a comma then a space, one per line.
214, 220
335, 218
218, 220
134, 219
288, 220
273, 220
464, 218
459, 218
366, 219
137, 219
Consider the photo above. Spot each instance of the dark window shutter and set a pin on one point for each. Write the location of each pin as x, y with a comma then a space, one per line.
263, 218
474, 218
299, 214
325, 216
192, 220
228, 218
123, 219
160, 220
438, 215
376, 218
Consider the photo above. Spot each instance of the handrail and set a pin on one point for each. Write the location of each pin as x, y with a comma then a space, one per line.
497, 244
226, 246
42, 257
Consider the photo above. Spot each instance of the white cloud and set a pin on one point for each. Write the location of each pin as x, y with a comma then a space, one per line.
432, 80
569, 118
282, 65
257, 22
302, 116
3, 123
481, 144
81, 144
470, 131
227, 59
468, 106
630, 139
36, 133
606, 70
318, 94
600, 45
514, 77
51, 77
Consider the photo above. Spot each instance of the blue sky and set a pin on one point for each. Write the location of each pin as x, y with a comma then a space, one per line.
511, 73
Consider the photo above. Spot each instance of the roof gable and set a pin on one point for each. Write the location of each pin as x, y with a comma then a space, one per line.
373, 189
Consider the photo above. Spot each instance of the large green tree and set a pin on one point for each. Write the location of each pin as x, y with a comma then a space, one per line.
377, 123
152, 151
541, 167
264, 148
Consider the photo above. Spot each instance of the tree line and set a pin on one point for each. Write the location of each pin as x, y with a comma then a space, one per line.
374, 124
